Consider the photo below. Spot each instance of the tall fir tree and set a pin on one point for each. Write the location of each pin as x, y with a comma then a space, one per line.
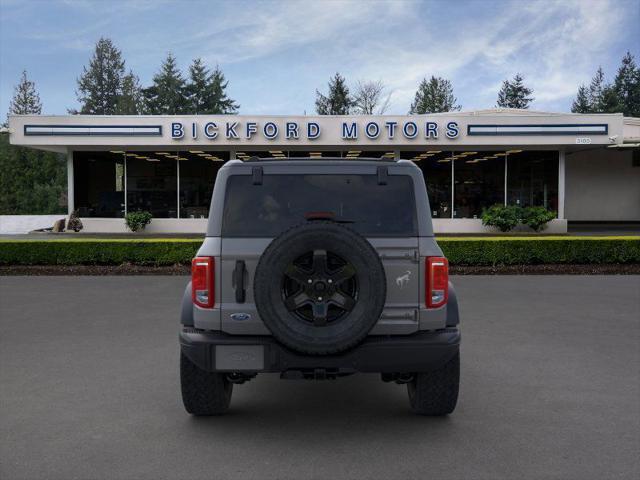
206, 92
25, 99
219, 102
582, 103
627, 86
167, 94
433, 96
196, 88
31, 181
100, 85
596, 91
130, 101
338, 100
514, 94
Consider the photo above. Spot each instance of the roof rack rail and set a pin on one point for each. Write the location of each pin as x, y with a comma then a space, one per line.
255, 159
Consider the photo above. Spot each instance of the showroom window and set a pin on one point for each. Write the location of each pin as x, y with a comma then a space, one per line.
167, 184
532, 178
197, 171
99, 184
152, 184
436, 169
478, 182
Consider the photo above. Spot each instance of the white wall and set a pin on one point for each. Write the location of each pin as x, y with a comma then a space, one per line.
474, 225
157, 225
12, 224
602, 185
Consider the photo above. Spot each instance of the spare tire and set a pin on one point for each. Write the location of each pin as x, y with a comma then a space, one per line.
320, 288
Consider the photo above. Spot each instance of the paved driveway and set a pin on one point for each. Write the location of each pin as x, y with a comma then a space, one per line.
89, 389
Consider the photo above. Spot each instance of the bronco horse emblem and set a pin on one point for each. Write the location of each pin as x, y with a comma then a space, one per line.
402, 280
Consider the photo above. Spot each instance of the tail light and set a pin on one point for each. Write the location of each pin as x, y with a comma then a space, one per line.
437, 276
202, 281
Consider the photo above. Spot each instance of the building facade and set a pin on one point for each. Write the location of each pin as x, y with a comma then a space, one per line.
583, 167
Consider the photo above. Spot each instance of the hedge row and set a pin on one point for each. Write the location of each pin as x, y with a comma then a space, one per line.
459, 251
98, 252
533, 251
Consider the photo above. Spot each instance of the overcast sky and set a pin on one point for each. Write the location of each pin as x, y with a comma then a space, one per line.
275, 54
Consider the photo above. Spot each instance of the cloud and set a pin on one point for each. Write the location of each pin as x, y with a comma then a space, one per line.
277, 53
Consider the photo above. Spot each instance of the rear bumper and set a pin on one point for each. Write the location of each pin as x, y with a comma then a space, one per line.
420, 352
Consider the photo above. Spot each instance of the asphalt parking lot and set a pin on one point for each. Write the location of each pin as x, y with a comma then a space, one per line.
550, 389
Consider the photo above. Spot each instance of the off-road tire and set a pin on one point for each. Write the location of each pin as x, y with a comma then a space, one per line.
203, 393
435, 393
326, 339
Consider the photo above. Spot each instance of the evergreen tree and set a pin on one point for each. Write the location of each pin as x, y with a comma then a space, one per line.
167, 95
433, 96
25, 99
206, 92
99, 86
627, 86
596, 91
219, 102
31, 181
581, 104
514, 94
337, 101
196, 89
130, 101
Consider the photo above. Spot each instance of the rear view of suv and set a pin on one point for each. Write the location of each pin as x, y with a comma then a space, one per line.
318, 269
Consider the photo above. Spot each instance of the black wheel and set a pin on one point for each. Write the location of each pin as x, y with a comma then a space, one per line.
203, 393
436, 393
320, 288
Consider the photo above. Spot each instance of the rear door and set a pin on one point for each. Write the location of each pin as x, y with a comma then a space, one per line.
382, 211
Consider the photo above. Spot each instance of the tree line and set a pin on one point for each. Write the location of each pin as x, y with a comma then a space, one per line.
435, 95
106, 88
33, 181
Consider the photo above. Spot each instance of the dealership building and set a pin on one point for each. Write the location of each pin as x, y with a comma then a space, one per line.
586, 168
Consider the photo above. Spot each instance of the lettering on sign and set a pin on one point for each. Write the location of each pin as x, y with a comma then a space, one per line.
290, 130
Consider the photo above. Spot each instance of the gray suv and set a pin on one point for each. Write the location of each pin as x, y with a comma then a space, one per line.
317, 269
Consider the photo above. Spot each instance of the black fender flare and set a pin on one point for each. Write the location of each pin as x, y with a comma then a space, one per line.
453, 316
186, 310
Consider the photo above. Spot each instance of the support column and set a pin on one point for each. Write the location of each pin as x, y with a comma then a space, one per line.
396, 155
177, 188
232, 154
453, 184
506, 169
561, 182
70, 185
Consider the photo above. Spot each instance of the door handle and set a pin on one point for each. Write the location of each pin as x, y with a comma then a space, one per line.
239, 275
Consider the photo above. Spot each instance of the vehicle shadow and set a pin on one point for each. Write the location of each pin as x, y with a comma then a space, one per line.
350, 407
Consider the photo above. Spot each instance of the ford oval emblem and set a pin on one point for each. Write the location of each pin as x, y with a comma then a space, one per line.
240, 316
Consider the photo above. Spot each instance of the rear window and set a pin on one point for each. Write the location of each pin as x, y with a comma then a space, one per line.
282, 201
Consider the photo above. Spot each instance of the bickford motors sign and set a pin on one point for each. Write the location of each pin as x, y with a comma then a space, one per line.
310, 130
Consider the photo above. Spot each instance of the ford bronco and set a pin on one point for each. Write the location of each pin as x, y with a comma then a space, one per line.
317, 269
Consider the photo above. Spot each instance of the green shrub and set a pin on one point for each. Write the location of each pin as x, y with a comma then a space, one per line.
536, 217
503, 217
137, 220
459, 251
507, 217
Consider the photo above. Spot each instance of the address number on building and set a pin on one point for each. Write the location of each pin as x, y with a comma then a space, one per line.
583, 141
